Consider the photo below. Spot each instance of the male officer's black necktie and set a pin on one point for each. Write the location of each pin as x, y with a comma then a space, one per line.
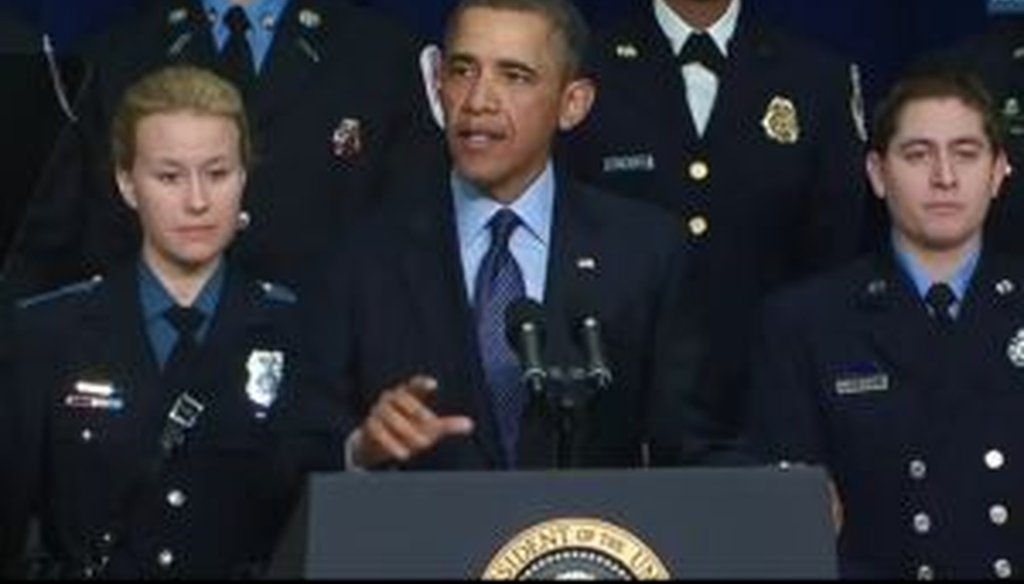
940, 299
236, 62
186, 322
701, 48
499, 281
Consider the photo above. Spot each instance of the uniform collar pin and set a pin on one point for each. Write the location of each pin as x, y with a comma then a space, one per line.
1004, 287
877, 287
310, 19
626, 51
177, 16
1018, 53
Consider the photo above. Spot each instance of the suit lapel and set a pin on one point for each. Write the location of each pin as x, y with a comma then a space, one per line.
114, 339
434, 278
652, 79
188, 35
297, 53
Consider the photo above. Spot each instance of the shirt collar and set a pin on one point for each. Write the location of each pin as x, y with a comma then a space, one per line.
473, 208
263, 14
959, 282
156, 300
678, 30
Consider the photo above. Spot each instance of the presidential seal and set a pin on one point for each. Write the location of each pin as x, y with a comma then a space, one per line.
575, 549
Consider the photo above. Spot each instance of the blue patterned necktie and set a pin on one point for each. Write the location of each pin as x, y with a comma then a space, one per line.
499, 281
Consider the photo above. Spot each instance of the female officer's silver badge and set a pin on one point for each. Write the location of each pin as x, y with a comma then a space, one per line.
1015, 351
265, 371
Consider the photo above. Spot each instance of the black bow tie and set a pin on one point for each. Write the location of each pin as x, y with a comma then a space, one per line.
701, 48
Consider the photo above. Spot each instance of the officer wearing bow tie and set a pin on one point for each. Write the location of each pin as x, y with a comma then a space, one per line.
333, 92
747, 137
903, 373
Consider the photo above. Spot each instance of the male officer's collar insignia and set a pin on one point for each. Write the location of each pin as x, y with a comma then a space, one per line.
1011, 112
177, 16
1005, 287
861, 378
875, 293
857, 103
586, 263
347, 139
1018, 53
628, 163
310, 19
266, 369
626, 51
780, 121
94, 395
1015, 350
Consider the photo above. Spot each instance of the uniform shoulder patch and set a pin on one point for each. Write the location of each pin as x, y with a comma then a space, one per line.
82, 287
277, 292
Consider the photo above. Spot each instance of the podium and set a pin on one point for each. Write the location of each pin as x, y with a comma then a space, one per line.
751, 522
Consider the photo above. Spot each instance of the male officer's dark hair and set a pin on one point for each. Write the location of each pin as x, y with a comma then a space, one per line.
562, 14
936, 83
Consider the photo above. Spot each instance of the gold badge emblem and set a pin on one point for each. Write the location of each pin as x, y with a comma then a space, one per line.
575, 549
781, 122
347, 139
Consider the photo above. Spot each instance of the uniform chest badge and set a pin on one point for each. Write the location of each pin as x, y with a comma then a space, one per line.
347, 139
1015, 350
781, 122
266, 369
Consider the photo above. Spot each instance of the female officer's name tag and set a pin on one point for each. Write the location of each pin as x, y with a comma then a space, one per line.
854, 383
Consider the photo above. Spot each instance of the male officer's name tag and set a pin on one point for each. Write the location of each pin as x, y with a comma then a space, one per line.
861, 382
628, 163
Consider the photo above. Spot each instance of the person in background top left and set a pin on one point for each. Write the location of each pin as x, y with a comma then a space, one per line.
335, 99
161, 416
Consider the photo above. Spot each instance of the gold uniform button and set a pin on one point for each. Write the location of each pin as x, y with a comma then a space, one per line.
699, 170
697, 225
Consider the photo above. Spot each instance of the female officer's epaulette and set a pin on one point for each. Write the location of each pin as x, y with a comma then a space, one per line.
83, 287
277, 292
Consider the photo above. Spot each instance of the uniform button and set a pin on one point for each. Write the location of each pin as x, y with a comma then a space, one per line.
165, 559
699, 170
1002, 568
922, 523
87, 435
994, 459
918, 470
176, 498
999, 514
697, 225
925, 572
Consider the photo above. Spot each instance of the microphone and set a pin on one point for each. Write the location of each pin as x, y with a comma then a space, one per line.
524, 330
588, 332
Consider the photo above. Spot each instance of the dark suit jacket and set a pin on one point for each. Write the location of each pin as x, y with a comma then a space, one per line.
773, 211
352, 65
852, 373
404, 310
82, 470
